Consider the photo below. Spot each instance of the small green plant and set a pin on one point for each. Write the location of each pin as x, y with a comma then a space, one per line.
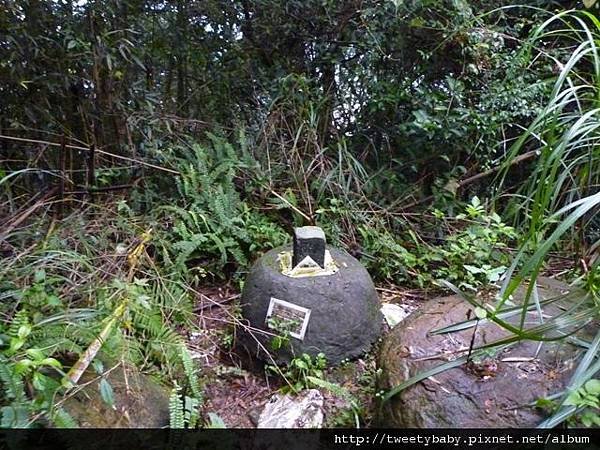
348, 416
283, 327
262, 232
226, 339
394, 261
183, 410
474, 252
590, 281
343, 418
40, 294
475, 255
587, 401
25, 361
368, 380
301, 372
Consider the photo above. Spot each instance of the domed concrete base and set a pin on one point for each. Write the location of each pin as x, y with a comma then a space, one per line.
340, 312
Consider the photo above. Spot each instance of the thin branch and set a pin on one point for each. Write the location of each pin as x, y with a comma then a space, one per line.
469, 180
87, 149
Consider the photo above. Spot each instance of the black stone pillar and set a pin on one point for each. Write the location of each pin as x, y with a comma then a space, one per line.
309, 241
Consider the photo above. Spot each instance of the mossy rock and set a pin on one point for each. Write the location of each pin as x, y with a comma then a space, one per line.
139, 401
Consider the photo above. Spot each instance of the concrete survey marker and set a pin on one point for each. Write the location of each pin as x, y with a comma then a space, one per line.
319, 297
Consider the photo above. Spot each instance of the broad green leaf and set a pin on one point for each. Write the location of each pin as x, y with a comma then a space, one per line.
40, 381
481, 313
35, 353
593, 387
573, 399
106, 392
16, 344
215, 421
300, 364
473, 269
22, 366
51, 362
24, 331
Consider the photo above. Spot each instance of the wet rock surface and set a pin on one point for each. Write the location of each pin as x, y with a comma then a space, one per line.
491, 391
344, 308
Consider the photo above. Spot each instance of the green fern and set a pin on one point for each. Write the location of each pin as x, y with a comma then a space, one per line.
176, 417
14, 416
59, 338
191, 372
20, 319
12, 384
183, 412
62, 419
190, 411
209, 215
160, 339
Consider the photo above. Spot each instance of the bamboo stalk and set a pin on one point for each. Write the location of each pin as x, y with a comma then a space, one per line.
91, 171
61, 181
90, 353
283, 199
88, 356
11, 225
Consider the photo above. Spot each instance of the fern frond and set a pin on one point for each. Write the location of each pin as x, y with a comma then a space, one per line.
20, 319
14, 416
176, 418
191, 372
62, 419
13, 387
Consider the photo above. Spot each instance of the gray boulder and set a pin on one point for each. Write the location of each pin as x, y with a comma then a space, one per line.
490, 392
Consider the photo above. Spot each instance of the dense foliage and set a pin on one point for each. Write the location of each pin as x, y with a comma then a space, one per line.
151, 147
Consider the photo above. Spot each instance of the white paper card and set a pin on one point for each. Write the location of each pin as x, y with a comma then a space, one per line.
289, 312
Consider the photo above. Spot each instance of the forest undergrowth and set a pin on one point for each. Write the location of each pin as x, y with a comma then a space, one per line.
119, 220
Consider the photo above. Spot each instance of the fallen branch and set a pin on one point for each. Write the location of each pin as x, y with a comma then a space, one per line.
216, 303
88, 356
25, 214
102, 189
87, 149
286, 201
